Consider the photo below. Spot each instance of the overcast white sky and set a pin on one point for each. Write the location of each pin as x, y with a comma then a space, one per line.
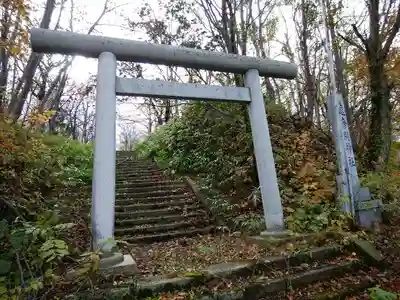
113, 25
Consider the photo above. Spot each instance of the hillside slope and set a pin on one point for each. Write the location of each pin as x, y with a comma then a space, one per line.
213, 143
44, 205
219, 149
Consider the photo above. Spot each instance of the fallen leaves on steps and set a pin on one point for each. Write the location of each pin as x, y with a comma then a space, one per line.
189, 254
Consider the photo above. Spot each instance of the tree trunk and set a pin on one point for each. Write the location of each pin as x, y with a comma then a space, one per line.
380, 133
310, 89
168, 110
4, 59
25, 83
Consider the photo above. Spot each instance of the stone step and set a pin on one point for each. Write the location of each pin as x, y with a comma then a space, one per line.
155, 212
133, 159
142, 195
159, 228
272, 277
141, 173
166, 199
129, 160
348, 286
136, 169
145, 238
124, 161
126, 164
307, 283
152, 188
151, 178
146, 183
124, 152
129, 163
154, 205
268, 287
160, 220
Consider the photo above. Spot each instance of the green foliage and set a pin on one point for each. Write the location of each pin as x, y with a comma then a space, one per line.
35, 165
33, 254
74, 158
216, 202
213, 142
43, 180
316, 217
252, 223
385, 185
377, 293
200, 143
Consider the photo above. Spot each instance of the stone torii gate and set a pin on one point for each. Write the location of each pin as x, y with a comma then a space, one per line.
108, 50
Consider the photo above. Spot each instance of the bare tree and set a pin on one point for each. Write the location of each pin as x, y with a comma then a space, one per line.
128, 136
375, 45
46, 87
25, 82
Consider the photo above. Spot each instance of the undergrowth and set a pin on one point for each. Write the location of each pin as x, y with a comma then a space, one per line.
44, 201
218, 150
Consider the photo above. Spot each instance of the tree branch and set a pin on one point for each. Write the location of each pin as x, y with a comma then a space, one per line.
392, 35
353, 43
359, 35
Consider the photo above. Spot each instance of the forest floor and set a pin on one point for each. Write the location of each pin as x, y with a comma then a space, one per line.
388, 242
192, 254
189, 255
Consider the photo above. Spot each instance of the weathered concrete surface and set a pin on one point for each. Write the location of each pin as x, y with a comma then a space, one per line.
69, 43
264, 288
260, 288
275, 234
116, 266
369, 253
110, 259
316, 254
269, 241
162, 285
231, 295
324, 273
272, 286
230, 268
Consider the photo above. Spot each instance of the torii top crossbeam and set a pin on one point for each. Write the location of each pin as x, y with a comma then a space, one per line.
62, 42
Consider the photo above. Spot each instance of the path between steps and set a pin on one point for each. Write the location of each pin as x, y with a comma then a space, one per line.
223, 266
169, 236
151, 207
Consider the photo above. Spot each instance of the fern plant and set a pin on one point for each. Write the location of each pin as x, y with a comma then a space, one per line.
377, 293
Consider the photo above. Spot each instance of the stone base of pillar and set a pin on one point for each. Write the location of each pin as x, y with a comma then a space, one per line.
118, 264
113, 264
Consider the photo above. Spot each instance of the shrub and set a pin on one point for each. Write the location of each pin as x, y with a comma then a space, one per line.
42, 200
316, 217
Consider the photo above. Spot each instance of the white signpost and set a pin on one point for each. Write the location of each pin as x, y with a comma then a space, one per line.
109, 50
353, 199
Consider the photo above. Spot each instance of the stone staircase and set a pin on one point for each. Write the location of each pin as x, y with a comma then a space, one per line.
321, 266
152, 207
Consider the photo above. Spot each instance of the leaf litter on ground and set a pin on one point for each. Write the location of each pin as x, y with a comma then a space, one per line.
193, 254
189, 254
